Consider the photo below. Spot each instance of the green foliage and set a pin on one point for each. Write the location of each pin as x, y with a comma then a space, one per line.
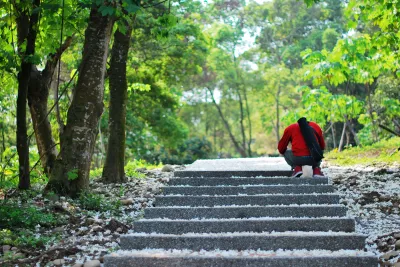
25, 238
192, 149
72, 174
96, 173
322, 106
13, 216
384, 152
96, 202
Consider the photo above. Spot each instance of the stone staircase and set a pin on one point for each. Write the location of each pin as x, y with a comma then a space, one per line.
244, 218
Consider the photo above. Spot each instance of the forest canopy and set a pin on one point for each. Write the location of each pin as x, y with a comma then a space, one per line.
87, 84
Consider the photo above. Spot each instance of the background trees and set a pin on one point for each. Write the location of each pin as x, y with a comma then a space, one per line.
196, 79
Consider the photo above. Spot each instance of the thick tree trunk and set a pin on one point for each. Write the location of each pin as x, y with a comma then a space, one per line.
38, 93
70, 174
37, 99
240, 150
113, 171
27, 30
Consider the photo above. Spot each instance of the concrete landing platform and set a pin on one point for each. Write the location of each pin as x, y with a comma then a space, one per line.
241, 164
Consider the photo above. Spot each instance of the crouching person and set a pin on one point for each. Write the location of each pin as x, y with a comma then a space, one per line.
307, 144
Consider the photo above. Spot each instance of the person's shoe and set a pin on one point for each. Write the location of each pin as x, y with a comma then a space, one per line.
297, 172
317, 173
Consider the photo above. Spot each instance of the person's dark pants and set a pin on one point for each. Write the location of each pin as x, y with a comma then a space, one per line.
294, 161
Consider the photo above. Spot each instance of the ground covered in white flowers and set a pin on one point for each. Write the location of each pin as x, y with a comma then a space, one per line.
372, 195
90, 227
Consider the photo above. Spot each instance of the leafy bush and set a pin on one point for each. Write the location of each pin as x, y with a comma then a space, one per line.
13, 216
96, 202
191, 150
25, 238
96, 173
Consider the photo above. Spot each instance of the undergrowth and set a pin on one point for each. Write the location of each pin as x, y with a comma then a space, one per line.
385, 152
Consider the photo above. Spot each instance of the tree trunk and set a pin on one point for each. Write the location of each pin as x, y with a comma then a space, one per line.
3, 142
113, 171
228, 128
249, 121
37, 100
342, 137
242, 130
38, 93
371, 114
70, 174
277, 115
27, 31
333, 134
353, 132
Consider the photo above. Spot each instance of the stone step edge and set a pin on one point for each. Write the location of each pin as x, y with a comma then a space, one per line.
251, 206
256, 195
247, 219
242, 253
248, 186
199, 173
247, 234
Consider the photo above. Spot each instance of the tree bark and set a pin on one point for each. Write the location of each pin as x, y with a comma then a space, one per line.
70, 174
27, 30
353, 132
277, 114
342, 137
249, 121
242, 130
38, 93
370, 111
113, 171
333, 134
228, 128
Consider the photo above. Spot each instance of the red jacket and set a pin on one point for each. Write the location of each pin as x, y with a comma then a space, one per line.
293, 134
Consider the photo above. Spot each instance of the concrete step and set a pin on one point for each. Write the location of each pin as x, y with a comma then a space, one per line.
252, 258
213, 181
247, 190
271, 173
255, 200
246, 212
241, 241
245, 225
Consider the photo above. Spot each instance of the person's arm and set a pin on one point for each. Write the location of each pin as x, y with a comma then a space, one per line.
284, 142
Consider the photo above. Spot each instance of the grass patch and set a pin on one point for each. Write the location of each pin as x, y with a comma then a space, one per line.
383, 152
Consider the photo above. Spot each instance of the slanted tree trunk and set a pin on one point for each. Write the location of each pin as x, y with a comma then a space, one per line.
70, 174
27, 31
278, 136
242, 129
238, 148
249, 121
113, 171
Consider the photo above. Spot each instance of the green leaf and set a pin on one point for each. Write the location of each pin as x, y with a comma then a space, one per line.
72, 175
106, 10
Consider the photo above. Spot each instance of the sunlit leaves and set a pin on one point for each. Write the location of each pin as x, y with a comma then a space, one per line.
322, 106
